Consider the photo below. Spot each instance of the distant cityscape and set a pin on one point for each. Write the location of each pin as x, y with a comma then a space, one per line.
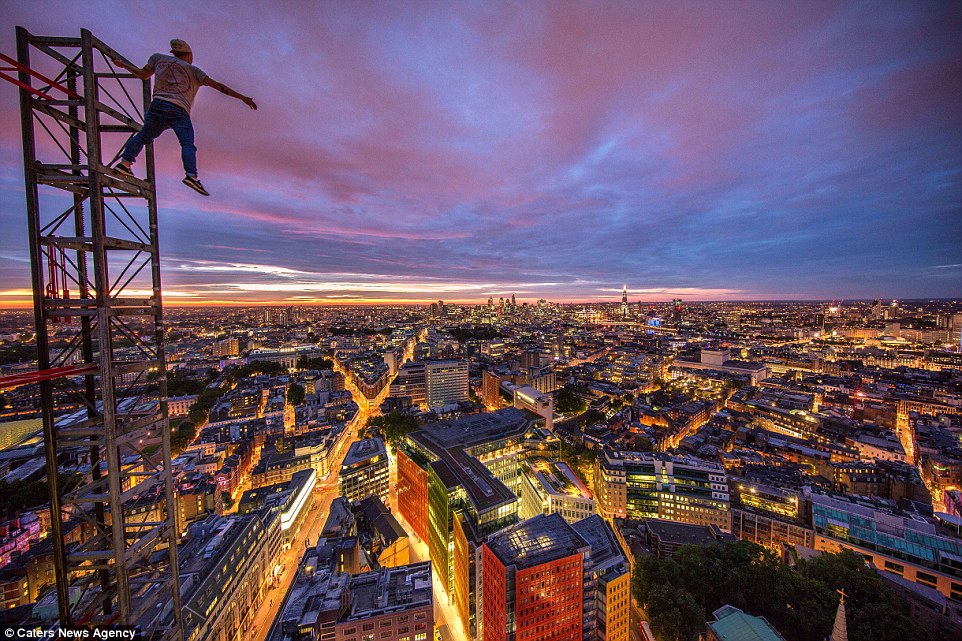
528, 470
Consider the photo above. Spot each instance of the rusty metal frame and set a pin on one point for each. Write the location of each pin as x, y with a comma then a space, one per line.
98, 350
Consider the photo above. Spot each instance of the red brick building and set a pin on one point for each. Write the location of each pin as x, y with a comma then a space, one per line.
412, 494
533, 582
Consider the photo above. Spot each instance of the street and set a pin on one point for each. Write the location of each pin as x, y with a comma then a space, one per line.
307, 535
445, 615
325, 493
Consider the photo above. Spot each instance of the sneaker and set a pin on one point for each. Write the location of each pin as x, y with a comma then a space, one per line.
123, 170
195, 184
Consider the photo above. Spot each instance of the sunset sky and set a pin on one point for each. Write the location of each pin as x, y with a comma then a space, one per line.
459, 150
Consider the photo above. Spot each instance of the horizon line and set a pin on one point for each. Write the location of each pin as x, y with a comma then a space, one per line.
28, 306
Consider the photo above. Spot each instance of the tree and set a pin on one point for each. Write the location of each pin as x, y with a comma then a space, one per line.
569, 402
799, 602
182, 437
484, 333
579, 458
305, 363
227, 500
271, 368
295, 394
593, 416
18, 353
394, 426
20, 496
675, 615
199, 411
179, 385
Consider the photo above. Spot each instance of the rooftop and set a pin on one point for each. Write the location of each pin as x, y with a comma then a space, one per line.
449, 442
734, 625
380, 519
475, 429
557, 478
364, 450
390, 589
617, 458
680, 533
540, 539
605, 550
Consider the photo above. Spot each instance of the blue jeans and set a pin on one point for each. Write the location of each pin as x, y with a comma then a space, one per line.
162, 115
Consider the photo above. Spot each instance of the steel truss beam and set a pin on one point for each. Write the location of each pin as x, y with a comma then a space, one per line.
95, 266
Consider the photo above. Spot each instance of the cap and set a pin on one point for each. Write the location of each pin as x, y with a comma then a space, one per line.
179, 46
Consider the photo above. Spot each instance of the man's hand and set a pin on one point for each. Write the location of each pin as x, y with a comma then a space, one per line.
143, 74
250, 102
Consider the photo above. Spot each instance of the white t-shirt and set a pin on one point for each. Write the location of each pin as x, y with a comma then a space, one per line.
175, 80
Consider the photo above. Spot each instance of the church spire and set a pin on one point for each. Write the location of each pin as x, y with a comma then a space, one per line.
840, 629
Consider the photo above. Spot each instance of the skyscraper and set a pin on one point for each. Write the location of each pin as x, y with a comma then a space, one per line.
532, 582
446, 382
547, 580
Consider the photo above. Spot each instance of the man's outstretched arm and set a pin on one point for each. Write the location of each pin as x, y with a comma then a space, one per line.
143, 73
224, 89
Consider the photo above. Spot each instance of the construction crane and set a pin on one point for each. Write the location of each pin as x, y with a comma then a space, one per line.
95, 266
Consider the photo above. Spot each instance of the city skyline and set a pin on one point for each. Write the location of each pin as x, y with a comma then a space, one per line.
422, 152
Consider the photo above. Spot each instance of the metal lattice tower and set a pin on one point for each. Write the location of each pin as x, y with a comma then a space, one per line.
93, 233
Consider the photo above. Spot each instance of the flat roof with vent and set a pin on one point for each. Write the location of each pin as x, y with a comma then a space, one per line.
541, 539
364, 450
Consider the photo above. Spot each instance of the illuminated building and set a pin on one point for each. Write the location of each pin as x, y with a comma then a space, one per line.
390, 604
720, 360
412, 489
225, 562
227, 347
664, 538
770, 516
446, 382
528, 398
546, 579
797, 423
491, 380
432, 384
677, 311
497, 383
767, 499
908, 545
542, 379
607, 613
550, 486
381, 533
641, 485
180, 405
533, 582
531, 359
310, 450
293, 499
468, 471
364, 471
411, 382
887, 479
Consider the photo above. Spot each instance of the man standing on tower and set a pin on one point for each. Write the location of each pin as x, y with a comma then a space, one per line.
176, 85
